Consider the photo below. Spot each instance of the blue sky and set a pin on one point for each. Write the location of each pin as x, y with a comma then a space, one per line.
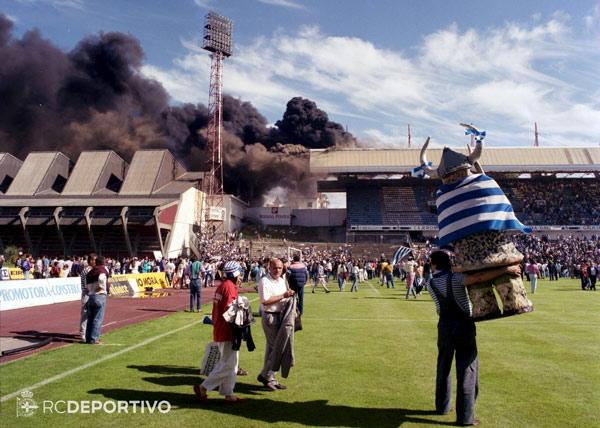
374, 66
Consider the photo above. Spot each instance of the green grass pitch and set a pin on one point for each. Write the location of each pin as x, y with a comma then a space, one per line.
364, 359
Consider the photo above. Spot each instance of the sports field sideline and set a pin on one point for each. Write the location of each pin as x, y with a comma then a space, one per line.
362, 360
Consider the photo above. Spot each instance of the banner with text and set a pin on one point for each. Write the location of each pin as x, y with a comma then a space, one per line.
36, 292
136, 284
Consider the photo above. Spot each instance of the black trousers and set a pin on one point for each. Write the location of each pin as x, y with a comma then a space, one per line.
455, 341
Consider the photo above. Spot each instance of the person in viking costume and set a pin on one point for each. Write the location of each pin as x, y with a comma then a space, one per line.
474, 217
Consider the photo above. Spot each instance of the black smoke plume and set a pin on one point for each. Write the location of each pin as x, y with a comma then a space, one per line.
95, 97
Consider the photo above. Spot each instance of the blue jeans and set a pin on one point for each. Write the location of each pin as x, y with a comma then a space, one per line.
300, 293
354, 284
389, 278
341, 282
533, 279
195, 290
96, 306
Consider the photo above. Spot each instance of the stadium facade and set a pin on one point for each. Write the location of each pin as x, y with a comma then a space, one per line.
50, 205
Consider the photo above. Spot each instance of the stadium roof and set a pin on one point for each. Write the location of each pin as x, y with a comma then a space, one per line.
39, 174
82, 202
397, 161
99, 178
9, 166
93, 171
149, 171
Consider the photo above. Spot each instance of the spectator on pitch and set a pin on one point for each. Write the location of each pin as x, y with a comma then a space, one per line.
273, 296
97, 285
354, 276
533, 271
297, 278
456, 336
584, 276
341, 275
224, 373
83, 318
410, 267
195, 285
592, 274
387, 271
320, 279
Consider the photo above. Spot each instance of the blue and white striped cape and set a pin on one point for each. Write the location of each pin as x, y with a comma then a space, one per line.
474, 204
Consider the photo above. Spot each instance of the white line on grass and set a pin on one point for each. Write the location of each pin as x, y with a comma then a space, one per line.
101, 360
374, 289
98, 361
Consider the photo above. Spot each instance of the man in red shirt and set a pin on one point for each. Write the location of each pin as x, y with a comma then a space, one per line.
224, 373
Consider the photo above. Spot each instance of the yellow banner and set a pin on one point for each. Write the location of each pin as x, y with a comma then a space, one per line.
136, 284
17, 273
150, 281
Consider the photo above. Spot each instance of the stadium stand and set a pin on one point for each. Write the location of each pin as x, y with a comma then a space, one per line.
549, 187
100, 203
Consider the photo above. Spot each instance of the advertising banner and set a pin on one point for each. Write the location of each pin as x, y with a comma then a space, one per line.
16, 273
121, 286
136, 284
36, 292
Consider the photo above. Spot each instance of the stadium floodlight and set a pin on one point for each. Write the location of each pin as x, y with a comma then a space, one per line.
217, 40
217, 34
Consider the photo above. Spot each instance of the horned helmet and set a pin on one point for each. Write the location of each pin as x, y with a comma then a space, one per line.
452, 162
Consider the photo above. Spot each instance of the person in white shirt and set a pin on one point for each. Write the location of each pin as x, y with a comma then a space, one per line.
410, 267
97, 285
273, 294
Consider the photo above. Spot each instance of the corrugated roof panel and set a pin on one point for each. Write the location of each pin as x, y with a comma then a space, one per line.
9, 167
594, 154
38, 172
142, 173
403, 160
86, 173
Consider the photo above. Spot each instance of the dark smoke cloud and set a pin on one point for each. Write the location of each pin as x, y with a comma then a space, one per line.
304, 123
95, 97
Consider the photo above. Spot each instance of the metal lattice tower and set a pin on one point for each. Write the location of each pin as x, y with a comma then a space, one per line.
217, 40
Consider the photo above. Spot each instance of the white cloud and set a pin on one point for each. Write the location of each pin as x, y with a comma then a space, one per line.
283, 3
59, 4
592, 21
204, 4
12, 18
503, 79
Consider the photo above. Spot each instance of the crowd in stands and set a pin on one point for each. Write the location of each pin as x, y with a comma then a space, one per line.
555, 202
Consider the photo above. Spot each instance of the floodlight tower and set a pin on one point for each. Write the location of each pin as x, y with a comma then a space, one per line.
217, 40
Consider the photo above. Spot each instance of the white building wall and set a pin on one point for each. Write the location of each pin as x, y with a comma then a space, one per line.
318, 217
187, 215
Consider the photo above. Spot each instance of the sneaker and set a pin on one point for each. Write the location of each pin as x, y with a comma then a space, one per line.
273, 385
262, 379
473, 424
